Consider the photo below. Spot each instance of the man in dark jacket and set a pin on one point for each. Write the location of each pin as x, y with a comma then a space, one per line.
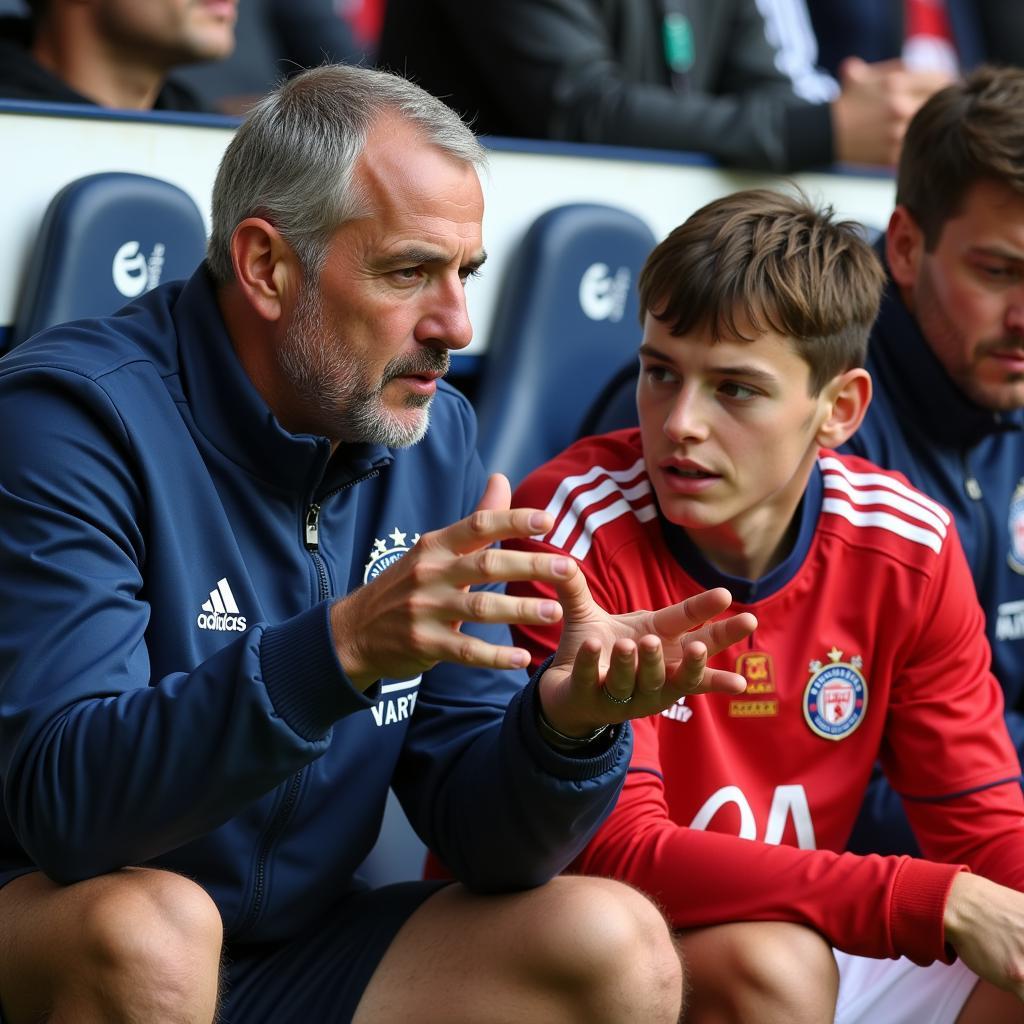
113, 53
947, 360
244, 591
974, 31
695, 75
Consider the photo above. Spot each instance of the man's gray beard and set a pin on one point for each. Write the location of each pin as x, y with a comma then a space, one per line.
342, 402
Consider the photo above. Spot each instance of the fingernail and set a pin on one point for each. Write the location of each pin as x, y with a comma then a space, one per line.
538, 521
549, 610
520, 659
560, 566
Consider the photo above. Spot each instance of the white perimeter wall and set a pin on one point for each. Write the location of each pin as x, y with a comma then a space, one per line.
39, 154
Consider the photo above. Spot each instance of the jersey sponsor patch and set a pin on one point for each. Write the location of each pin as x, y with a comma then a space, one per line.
757, 668
1015, 522
753, 708
836, 696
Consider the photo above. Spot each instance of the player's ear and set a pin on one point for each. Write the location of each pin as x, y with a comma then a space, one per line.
266, 269
904, 246
847, 397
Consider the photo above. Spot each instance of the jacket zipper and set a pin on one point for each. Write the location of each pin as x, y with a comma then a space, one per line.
313, 547
280, 822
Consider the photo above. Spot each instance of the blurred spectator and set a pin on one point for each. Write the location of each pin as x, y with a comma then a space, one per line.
698, 75
365, 18
951, 34
114, 53
279, 38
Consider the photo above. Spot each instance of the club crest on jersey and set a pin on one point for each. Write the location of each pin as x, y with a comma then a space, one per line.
1015, 522
836, 696
384, 555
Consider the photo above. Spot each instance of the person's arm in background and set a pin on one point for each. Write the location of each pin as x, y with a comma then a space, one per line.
553, 71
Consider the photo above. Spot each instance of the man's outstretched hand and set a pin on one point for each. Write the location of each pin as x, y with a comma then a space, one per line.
409, 618
610, 668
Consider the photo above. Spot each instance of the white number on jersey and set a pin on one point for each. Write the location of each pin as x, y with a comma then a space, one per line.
787, 802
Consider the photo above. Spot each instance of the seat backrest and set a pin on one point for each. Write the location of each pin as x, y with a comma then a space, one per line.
106, 238
565, 323
615, 407
399, 854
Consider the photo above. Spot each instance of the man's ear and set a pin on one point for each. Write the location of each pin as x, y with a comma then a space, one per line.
266, 270
904, 247
848, 396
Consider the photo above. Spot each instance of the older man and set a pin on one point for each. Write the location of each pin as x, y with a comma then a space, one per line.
244, 529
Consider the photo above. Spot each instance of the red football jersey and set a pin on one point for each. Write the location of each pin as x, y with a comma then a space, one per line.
870, 646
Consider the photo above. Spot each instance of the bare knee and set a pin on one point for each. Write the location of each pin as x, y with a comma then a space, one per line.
614, 949
154, 931
764, 971
137, 944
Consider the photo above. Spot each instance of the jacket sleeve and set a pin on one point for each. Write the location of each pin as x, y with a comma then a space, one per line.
104, 764
552, 68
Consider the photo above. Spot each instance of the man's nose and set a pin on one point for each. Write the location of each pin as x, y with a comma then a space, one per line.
446, 318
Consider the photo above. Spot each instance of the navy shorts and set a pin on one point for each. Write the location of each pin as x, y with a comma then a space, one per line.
319, 976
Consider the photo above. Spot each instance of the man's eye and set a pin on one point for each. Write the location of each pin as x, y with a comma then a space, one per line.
999, 272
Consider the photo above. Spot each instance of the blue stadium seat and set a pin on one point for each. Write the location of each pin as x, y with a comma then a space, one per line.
615, 407
106, 238
399, 854
565, 323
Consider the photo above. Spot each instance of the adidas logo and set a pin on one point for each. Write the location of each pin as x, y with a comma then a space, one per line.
221, 612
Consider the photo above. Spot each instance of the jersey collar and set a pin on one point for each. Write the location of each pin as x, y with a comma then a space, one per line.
746, 591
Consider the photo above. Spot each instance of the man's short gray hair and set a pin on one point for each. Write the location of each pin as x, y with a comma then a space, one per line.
292, 160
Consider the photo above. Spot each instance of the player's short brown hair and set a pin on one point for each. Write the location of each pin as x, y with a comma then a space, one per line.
968, 132
762, 260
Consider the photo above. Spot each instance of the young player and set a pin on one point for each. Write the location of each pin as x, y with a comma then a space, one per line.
870, 645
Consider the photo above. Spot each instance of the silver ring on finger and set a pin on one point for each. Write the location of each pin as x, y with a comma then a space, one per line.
616, 700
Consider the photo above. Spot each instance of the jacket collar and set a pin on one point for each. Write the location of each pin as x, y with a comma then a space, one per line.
228, 410
920, 383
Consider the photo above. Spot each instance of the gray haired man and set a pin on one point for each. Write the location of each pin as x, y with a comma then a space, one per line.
248, 583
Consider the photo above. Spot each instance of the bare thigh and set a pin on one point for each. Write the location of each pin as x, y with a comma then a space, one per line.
990, 1005
771, 972
542, 956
